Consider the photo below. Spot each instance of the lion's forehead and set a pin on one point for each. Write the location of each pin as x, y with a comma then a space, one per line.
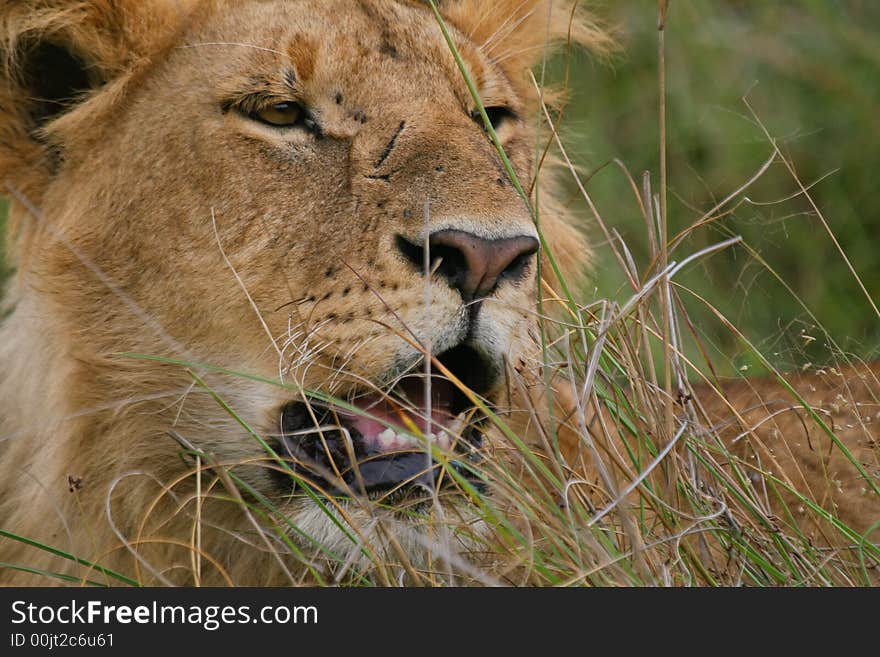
373, 47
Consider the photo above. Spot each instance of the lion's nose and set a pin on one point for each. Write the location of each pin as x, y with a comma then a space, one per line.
471, 264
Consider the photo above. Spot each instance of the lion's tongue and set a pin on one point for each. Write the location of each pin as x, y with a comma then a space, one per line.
404, 416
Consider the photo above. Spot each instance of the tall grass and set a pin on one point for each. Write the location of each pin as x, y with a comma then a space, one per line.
810, 70
631, 480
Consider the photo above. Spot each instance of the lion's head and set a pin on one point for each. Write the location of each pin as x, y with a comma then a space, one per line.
258, 189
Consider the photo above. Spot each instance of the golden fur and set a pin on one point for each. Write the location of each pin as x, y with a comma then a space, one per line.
150, 217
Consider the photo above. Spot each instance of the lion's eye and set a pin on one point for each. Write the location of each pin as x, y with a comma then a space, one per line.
283, 115
498, 116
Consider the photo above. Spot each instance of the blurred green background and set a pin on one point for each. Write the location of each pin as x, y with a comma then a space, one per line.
811, 70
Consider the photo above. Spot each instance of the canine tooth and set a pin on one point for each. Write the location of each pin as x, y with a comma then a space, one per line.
458, 424
386, 438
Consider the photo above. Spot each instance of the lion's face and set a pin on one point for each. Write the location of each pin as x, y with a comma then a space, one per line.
290, 197
303, 192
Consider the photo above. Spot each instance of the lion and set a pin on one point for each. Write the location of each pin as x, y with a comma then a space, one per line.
252, 187
274, 281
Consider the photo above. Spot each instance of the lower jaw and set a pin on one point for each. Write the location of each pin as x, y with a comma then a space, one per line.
340, 463
392, 478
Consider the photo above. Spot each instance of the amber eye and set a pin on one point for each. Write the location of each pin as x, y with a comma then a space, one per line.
282, 115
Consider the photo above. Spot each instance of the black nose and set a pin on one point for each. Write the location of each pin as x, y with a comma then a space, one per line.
473, 265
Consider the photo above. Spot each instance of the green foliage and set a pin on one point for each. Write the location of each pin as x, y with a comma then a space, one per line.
811, 71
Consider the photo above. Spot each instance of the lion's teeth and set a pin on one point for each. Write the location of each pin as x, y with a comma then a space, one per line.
391, 440
387, 439
458, 424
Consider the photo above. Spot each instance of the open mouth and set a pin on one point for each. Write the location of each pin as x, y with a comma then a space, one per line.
400, 439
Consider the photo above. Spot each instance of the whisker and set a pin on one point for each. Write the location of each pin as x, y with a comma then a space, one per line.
486, 45
241, 283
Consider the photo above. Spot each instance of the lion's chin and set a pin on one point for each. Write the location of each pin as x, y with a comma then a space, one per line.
379, 538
